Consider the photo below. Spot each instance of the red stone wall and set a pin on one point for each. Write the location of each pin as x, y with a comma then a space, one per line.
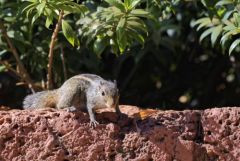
56, 135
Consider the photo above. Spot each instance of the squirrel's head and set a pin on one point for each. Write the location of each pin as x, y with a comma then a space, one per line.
107, 94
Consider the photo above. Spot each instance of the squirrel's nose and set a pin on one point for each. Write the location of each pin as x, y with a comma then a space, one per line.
110, 103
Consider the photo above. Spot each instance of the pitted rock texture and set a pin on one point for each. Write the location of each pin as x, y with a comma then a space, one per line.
222, 133
58, 135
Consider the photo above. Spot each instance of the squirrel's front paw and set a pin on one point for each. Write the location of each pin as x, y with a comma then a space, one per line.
93, 123
71, 109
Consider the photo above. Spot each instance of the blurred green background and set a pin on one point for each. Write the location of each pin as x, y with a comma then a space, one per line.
170, 70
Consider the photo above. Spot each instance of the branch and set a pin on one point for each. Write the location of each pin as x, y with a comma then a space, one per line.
8, 66
23, 72
63, 63
51, 48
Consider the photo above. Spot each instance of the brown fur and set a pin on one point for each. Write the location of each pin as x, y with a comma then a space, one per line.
51, 101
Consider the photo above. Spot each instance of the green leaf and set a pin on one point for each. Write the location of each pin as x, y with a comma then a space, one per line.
122, 43
29, 6
48, 22
127, 3
204, 3
53, 6
206, 33
117, 4
121, 35
234, 45
237, 19
204, 24
75, 7
40, 7
68, 8
135, 35
234, 31
224, 2
49, 19
2, 68
16, 35
34, 18
215, 34
32, 1
68, 32
120, 26
134, 3
227, 14
83, 8
114, 46
229, 26
130, 4
29, 9
9, 19
99, 46
205, 20
3, 52
110, 33
224, 38
137, 25
141, 13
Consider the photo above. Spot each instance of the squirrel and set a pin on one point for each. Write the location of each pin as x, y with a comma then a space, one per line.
83, 91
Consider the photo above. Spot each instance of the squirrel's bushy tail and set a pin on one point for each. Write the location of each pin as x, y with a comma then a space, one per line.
38, 100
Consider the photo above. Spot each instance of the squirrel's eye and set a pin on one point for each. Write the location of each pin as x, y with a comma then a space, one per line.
103, 93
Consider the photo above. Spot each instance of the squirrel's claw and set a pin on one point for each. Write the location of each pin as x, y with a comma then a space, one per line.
93, 123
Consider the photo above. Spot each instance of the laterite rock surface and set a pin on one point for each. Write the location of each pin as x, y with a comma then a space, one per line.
58, 135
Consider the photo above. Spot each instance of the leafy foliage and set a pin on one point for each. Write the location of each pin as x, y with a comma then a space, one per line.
222, 21
118, 26
51, 9
148, 46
